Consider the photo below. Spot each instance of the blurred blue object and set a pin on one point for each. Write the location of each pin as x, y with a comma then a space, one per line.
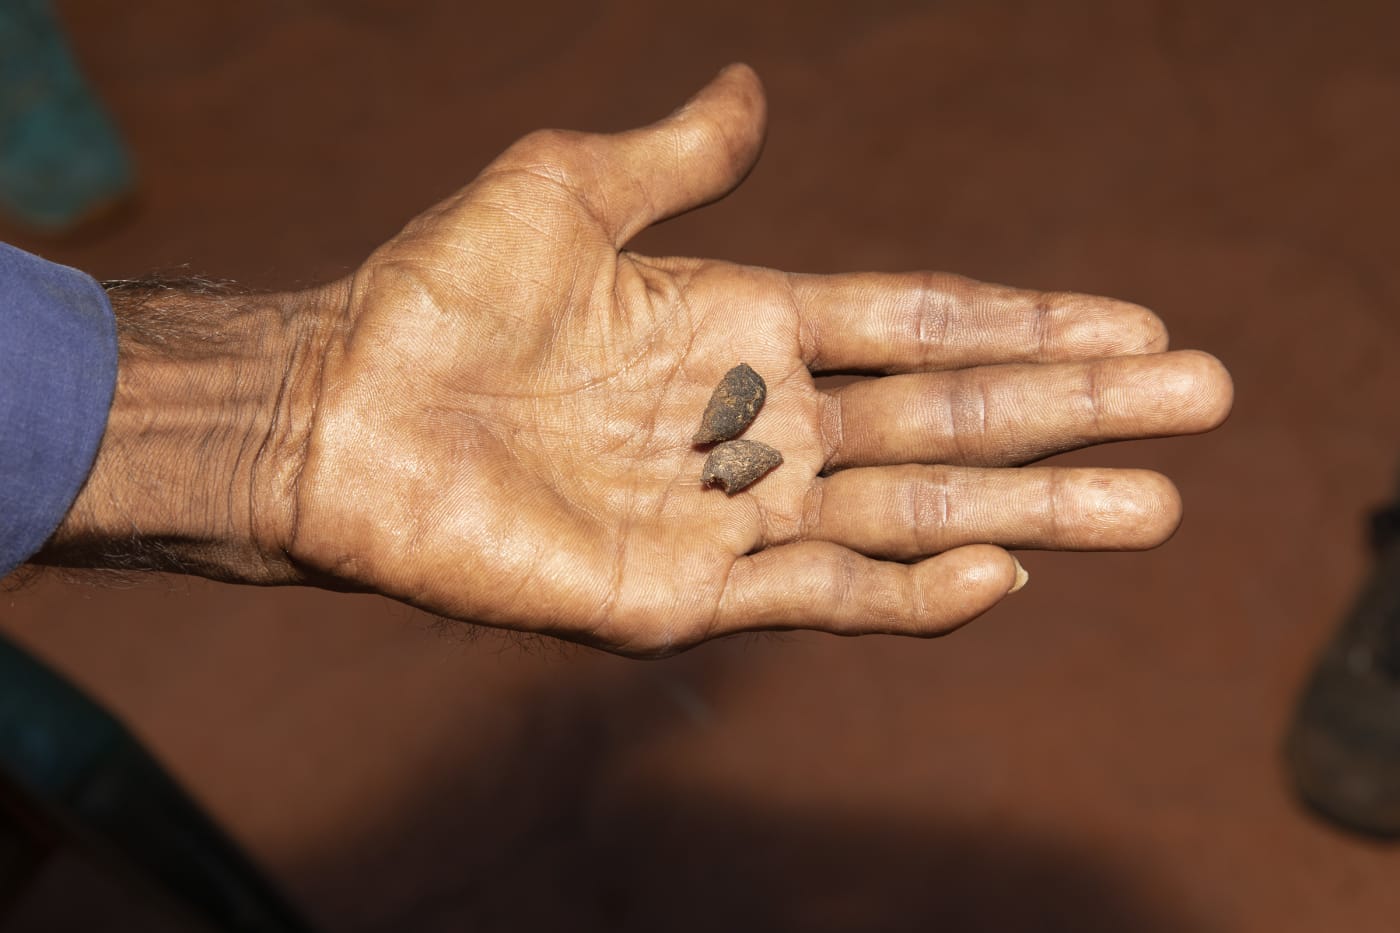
61, 159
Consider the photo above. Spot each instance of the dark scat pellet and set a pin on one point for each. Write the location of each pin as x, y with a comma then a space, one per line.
733, 405
735, 465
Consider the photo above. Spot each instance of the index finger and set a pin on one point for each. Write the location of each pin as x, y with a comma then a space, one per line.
924, 321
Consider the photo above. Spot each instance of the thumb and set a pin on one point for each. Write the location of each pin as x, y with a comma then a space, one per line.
695, 156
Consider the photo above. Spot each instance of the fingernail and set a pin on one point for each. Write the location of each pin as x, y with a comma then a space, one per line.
1022, 578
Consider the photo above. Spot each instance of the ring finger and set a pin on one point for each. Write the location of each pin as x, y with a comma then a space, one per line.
910, 512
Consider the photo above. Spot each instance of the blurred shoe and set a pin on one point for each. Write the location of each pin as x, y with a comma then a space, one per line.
61, 160
1344, 747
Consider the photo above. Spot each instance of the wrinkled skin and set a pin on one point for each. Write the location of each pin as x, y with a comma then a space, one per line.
492, 418
505, 399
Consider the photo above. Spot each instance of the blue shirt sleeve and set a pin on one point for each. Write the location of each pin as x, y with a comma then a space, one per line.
58, 370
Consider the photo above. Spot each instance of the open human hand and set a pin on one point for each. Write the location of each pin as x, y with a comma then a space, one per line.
491, 418
504, 421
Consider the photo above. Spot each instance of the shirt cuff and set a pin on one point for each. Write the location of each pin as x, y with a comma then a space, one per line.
58, 370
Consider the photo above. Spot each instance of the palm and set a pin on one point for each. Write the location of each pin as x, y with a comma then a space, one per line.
524, 395
563, 417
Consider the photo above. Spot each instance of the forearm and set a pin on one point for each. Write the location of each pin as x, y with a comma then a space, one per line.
197, 468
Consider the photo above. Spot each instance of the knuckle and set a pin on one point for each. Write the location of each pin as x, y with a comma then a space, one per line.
1061, 505
833, 429
925, 510
813, 520
970, 403
1096, 381
837, 585
930, 598
923, 320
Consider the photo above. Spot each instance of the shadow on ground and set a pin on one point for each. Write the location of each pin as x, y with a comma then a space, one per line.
560, 827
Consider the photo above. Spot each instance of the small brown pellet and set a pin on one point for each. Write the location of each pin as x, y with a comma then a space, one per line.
735, 465
733, 405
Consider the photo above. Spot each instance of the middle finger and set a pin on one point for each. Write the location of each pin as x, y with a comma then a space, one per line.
1015, 414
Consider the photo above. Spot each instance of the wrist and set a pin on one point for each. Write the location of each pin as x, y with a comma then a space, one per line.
199, 462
